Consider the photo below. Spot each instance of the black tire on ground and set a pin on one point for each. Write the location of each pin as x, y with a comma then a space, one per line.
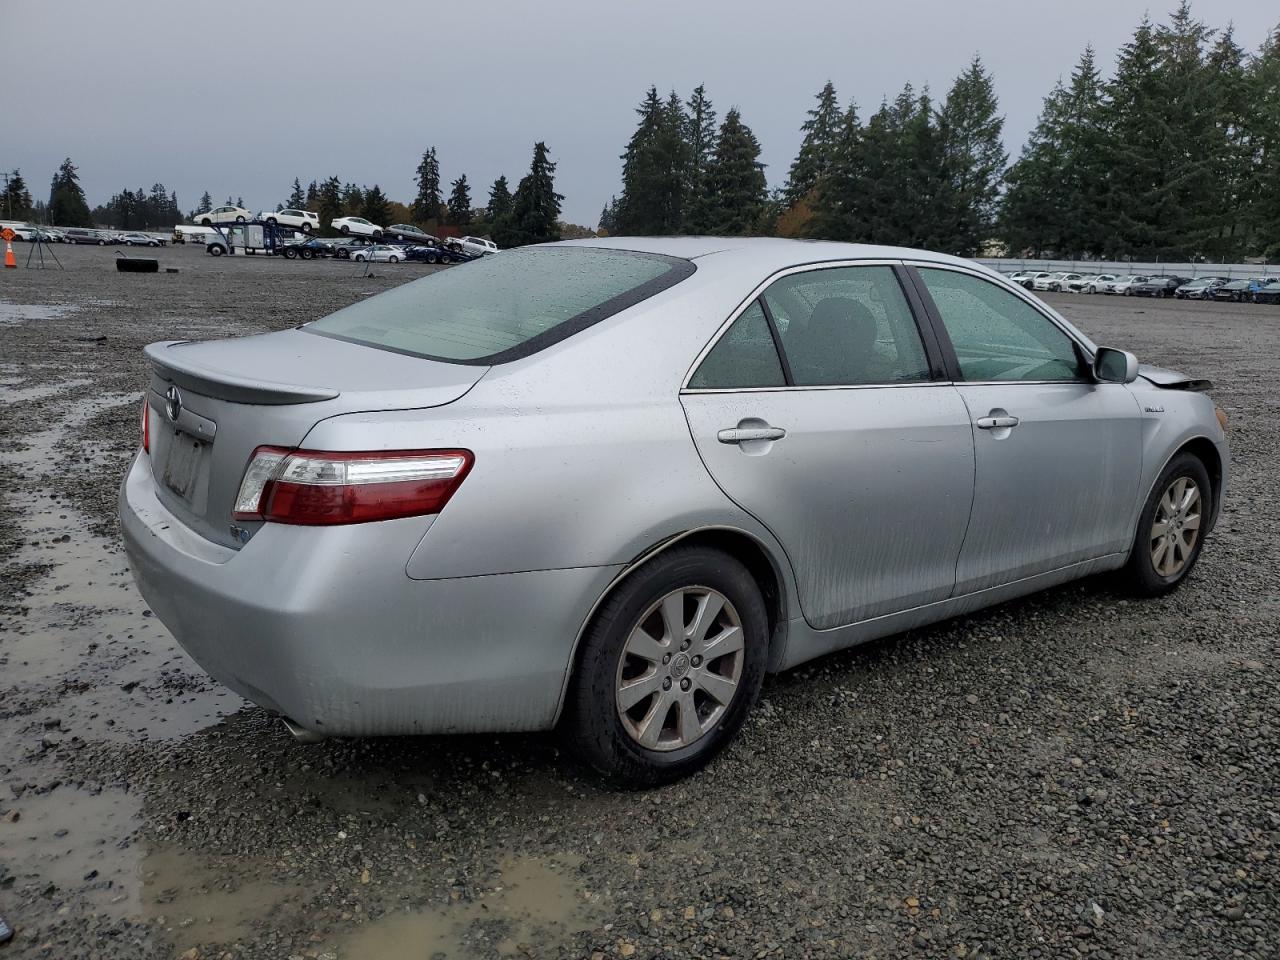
137, 265
1140, 574
358, 258
102, 243
216, 251
393, 259
592, 725
290, 253
306, 254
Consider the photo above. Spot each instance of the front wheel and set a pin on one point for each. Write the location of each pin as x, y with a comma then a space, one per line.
670, 667
1172, 527
393, 259
344, 230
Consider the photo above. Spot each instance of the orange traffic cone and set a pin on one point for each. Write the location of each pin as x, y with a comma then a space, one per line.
9, 260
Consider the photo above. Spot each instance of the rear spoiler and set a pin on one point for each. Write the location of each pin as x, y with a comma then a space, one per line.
1172, 380
183, 372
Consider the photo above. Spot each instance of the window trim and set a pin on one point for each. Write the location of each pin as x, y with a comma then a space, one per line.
912, 268
934, 355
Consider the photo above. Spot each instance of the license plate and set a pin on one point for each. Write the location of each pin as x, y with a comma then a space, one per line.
183, 466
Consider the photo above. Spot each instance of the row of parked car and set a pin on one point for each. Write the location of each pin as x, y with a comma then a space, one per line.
32, 232
1250, 290
307, 221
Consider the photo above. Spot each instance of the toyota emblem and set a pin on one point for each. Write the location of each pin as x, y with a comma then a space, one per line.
173, 403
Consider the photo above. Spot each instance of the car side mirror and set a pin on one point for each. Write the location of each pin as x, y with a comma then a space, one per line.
1114, 366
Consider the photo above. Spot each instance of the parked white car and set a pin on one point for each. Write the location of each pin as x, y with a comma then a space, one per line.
356, 226
231, 214
379, 253
303, 220
1097, 283
1123, 284
476, 245
1046, 281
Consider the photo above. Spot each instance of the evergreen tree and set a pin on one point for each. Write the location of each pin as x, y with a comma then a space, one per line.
297, 199
426, 205
206, 203
67, 205
460, 203
16, 202
1234, 150
735, 183
499, 200
700, 142
608, 224
1263, 185
535, 209
973, 160
836, 208
329, 203
818, 148
654, 169
352, 201
313, 195
374, 206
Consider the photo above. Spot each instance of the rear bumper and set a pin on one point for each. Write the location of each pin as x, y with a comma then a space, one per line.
324, 626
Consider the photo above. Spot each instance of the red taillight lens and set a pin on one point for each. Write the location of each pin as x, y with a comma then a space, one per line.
316, 488
146, 424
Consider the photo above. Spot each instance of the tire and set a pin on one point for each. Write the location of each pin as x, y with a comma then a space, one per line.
393, 259
290, 253
1142, 574
344, 230
270, 220
342, 255
128, 243
305, 228
239, 219
377, 233
206, 222
605, 738
216, 251
102, 243
1128, 293
359, 258
306, 254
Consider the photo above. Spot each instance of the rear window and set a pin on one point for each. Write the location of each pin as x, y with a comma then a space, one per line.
504, 307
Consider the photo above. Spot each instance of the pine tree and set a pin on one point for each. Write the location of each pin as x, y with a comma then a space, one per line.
426, 205
655, 168
16, 202
818, 148
735, 184
313, 195
608, 224
206, 203
973, 160
297, 199
1234, 153
373, 205
352, 201
329, 202
535, 209
1263, 185
700, 145
460, 203
67, 205
836, 208
499, 200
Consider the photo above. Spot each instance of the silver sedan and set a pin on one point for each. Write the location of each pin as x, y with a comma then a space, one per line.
606, 486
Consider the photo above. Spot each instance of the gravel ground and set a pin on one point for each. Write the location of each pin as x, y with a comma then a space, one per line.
1074, 774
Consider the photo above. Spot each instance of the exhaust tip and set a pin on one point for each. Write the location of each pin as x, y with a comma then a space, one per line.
300, 734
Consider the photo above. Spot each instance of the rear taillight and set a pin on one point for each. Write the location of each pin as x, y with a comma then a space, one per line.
315, 488
146, 424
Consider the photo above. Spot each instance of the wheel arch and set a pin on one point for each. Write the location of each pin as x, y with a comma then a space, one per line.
1206, 451
755, 555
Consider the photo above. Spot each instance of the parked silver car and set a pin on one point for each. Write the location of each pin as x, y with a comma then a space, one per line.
608, 485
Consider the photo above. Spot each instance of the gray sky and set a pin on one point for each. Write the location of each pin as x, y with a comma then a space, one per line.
240, 97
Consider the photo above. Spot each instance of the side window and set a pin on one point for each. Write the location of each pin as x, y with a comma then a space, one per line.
847, 326
996, 335
744, 357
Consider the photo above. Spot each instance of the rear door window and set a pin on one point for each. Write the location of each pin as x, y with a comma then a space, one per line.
497, 309
744, 357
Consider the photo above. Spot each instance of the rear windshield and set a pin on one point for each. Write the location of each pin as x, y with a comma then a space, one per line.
506, 305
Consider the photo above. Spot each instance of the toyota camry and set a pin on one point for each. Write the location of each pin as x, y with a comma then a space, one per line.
606, 486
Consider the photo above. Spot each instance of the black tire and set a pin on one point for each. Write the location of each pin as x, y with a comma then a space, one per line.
270, 220
306, 254
102, 243
393, 259
344, 230
592, 725
306, 227
128, 243
358, 258
239, 218
1139, 573
206, 222
216, 251
290, 253
342, 255
377, 233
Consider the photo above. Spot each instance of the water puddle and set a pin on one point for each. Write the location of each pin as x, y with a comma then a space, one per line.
11, 313
533, 906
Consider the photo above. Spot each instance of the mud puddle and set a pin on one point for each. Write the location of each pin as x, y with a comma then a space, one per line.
534, 905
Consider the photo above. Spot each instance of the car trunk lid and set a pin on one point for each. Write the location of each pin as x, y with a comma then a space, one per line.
211, 404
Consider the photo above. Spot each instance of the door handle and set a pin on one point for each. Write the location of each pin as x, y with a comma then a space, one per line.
745, 434
996, 423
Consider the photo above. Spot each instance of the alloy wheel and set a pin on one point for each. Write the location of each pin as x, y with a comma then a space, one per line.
1176, 527
680, 668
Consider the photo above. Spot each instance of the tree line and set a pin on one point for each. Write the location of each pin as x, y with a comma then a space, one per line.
1175, 156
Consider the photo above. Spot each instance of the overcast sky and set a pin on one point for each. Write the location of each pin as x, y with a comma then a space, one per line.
240, 97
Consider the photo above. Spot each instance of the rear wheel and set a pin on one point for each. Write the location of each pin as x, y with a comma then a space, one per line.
1172, 527
239, 218
306, 254
393, 259
306, 227
344, 229
216, 251
670, 667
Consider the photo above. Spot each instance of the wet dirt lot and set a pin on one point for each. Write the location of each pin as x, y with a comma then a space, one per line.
1075, 774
